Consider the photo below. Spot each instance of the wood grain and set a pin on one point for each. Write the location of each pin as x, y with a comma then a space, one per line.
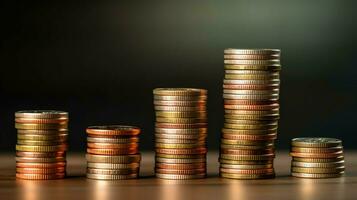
76, 186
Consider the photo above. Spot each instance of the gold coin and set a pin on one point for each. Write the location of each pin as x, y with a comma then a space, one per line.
180, 171
252, 51
112, 171
317, 155
117, 130
249, 132
251, 92
318, 165
41, 126
180, 176
182, 126
178, 146
40, 142
41, 170
41, 114
244, 167
198, 114
180, 103
252, 112
275, 67
179, 160
180, 108
41, 148
111, 177
180, 98
40, 176
247, 171
269, 97
43, 132
180, 141
250, 122
246, 176
250, 127
316, 142
113, 165
252, 62
181, 131
112, 145
40, 160
252, 117
179, 91
252, 57
181, 120
251, 82
60, 137
314, 170
125, 159
124, 140
247, 157
316, 149
247, 142
246, 162
318, 160
247, 147
41, 121
173, 156
313, 175
271, 76
181, 137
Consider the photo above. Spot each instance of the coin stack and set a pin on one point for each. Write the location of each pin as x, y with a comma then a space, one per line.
113, 152
317, 158
180, 133
251, 94
41, 144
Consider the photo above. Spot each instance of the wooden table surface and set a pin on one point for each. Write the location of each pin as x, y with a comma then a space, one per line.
76, 186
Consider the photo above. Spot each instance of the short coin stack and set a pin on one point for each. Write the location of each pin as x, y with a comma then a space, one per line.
113, 152
251, 102
317, 158
180, 132
41, 144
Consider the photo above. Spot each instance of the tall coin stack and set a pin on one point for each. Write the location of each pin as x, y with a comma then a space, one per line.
251, 94
41, 144
113, 152
180, 133
317, 158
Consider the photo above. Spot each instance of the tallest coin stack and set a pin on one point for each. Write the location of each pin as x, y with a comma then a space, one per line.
251, 94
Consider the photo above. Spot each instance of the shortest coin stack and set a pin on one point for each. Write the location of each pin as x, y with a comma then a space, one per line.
113, 152
317, 158
41, 144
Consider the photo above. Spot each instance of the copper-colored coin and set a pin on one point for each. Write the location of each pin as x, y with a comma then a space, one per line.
181, 131
181, 172
247, 142
41, 126
237, 146
181, 151
268, 97
253, 117
252, 112
180, 108
317, 155
181, 120
245, 167
124, 140
112, 171
272, 136
315, 170
180, 177
41, 170
179, 91
113, 130
40, 142
30, 154
247, 176
58, 137
112, 177
40, 165
40, 160
316, 150
247, 157
252, 107
43, 132
251, 57
180, 103
112, 146
247, 171
250, 122
251, 87
40, 176
173, 156
318, 160
249, 132
41, 121
168, 114
113, 165
180, 98
247, 102
246, 162
113, 159
314, 175
186, 166
180, 141
250, 126
179, 160
179, 146
180, 126
41, 114
248, 151
41, 148
181, 137
121, 151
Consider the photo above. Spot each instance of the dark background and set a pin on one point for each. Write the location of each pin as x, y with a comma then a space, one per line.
100, 61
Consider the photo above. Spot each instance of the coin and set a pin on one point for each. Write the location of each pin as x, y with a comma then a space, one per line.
181, 120
41, 126
272, 136
112, 145
198, 114
318, 160
173, 156
181, 131
180, 160
252, 117
251, 82
181, 171
251, 57
133, 165
181, 141
248, 102
29, 154
189, 151
251, 76
244, 146
316, 142
252, 51
113, 130
273, 67
180, 126
247, 171
41, 170
317, 155
315, 170
179, 91
125, 159
40, 160
40, 176
113, 140
41, 148
180, 98
316, 150
40, 165
314, 175
246, 176
247, 151
59, 137
244, 167
249, 132
247, 142
199, 137
40, 142
185, 166
180, 176
180, 103
250, 87
270, 97
42, 132
247, 157
245, 162
318, 165
114, 152
41, 121
180, 108
41, 114
250, 126
111, 177
252, 107
179, 146
112, 171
